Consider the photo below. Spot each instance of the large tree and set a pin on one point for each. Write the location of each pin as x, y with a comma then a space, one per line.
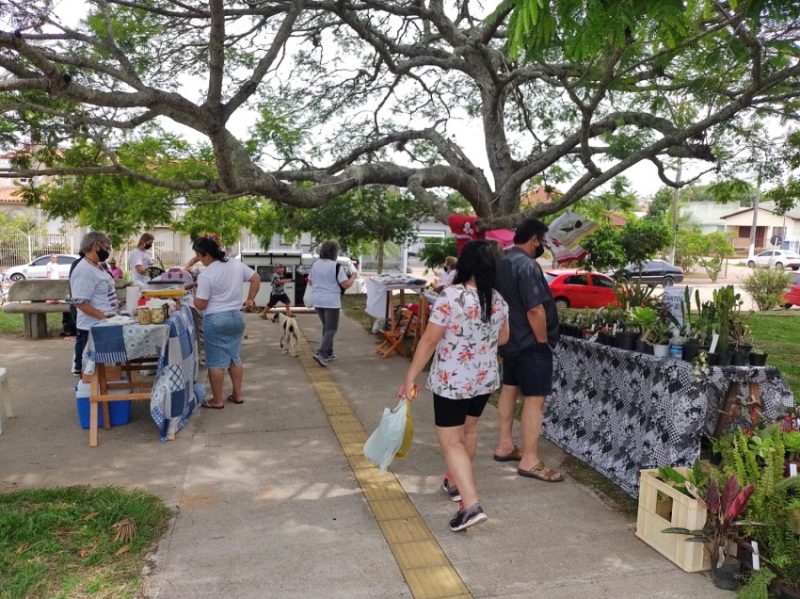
347, 93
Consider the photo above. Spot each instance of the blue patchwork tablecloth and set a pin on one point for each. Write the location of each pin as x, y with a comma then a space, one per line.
176, 391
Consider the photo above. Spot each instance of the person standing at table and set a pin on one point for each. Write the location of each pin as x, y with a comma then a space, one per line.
528, 355
328, 282
141, 260
468, 322
91, 289
114, 270
219, 297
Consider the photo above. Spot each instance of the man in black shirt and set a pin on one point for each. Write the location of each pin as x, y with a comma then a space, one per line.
528, 355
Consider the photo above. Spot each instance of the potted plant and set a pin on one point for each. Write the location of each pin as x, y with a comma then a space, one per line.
727, 303
758, 357
721, 530
659, 335
739, 334
644, 318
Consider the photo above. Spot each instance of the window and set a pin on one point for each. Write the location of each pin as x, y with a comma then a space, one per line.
41, 261
66, 259
744, 232
576, 280
766, 254
602, 281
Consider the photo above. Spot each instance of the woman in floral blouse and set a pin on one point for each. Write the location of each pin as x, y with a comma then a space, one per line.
467, 323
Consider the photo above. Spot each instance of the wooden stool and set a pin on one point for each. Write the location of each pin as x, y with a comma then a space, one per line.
5, 396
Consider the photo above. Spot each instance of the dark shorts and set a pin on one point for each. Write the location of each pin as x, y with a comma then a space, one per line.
531, 370
453, 412
274, 298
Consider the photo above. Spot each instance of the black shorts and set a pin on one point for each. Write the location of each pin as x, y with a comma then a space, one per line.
453, 412
531, 370
274, 298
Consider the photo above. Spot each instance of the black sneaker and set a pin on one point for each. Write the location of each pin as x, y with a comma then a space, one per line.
321, 361
330, 358
465, 518
451, 490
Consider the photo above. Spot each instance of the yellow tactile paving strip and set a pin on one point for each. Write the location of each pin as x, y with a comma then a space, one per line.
425, 567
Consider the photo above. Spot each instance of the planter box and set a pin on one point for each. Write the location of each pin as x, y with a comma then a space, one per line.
660, 507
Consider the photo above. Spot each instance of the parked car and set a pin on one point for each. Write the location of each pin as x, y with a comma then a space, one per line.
581, 289
652, 272
37, 269
777, 258
792, 295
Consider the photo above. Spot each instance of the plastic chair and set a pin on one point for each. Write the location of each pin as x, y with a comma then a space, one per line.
5, 396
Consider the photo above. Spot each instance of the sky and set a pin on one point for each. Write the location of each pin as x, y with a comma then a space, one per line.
643, 177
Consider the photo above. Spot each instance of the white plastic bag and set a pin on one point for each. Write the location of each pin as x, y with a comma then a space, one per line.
392, 437
307, 297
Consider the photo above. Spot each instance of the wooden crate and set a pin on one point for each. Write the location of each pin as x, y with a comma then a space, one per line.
660, 507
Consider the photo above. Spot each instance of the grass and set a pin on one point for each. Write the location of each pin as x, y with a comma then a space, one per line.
61, 542
778, 334
11, 324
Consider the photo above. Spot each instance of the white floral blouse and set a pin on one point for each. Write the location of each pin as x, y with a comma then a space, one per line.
465, 361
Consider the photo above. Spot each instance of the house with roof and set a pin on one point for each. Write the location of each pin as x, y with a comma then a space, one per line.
772, 228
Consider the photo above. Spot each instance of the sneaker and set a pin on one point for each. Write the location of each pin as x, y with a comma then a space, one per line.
331, 358
76, 372
451, 490
321, 361
465, 518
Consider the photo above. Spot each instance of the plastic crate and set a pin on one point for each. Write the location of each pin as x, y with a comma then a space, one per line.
660, 507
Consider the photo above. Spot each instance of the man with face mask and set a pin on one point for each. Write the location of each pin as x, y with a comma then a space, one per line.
141, 260
92, 288
528, 355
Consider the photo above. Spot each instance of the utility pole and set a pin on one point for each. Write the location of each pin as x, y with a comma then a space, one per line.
675, 214
751, 250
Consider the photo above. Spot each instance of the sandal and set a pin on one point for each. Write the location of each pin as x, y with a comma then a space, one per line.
515, 455
205, 404
232, 399
542, 472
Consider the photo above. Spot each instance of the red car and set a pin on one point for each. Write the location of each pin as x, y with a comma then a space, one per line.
581, 289
792, 296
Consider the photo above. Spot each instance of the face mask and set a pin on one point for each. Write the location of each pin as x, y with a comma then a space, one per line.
102, 254
538, 251
148, 246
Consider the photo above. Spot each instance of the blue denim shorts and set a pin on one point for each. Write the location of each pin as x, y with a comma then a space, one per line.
222, 333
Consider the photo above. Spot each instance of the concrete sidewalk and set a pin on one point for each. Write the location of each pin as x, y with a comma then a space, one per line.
268, 504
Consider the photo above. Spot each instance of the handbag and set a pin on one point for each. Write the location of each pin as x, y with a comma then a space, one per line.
392, 437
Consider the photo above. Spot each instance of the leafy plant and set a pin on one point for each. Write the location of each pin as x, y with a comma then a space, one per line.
766, 286
722, 521
692, 484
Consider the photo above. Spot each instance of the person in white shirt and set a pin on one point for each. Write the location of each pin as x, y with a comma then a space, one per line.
141, 260
449, 274
219, 297
328, 282
468, 322
52, 268
91, 288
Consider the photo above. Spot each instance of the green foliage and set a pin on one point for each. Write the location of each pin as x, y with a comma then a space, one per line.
60, 542
661, 204
757, 585
732, 190
766, 286
785, 195
642, 239
226, 218
604, 249
435, 249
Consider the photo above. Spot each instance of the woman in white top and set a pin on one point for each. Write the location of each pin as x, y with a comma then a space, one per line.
219, 297
467, 323
328, 282
141, 259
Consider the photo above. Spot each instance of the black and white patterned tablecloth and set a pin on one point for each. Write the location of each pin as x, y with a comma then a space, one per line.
620, 411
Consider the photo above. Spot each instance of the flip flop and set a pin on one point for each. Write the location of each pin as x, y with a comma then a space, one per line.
205, 404
542, 472
231, 399
515, 455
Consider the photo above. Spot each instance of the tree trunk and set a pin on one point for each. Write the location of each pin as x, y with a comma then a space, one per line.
381, 244
751, 250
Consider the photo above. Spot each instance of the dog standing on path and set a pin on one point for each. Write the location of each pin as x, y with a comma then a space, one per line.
289, 340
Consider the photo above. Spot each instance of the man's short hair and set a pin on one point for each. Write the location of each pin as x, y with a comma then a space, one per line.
88, 241
530, 227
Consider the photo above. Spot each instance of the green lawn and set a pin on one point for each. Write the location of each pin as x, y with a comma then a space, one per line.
11, 324
61, 542
778, 334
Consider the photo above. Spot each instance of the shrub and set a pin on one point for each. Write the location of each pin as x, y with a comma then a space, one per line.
766, 286
712, 266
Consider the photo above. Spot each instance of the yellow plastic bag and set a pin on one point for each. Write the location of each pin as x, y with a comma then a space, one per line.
408, 435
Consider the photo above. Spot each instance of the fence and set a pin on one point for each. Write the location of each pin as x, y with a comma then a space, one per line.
18, 247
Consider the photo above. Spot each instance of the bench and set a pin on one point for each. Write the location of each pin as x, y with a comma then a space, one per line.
30, 298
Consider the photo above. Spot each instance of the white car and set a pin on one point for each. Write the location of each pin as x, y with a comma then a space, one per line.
777, 258
38, 268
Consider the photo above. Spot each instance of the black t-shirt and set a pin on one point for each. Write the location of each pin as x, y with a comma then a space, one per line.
522, 284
